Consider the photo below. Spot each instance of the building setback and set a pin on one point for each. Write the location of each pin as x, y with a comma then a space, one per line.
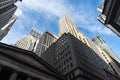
110, 15
19, 64
74, 59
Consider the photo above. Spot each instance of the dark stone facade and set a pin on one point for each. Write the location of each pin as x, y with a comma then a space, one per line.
68, 58
111, 10
74, 59
111, 75
19, 64
7, 10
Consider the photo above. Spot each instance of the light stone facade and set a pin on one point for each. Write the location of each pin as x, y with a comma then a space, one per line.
99, 41
66, 25
45, 41
36, 42
30, 41
27, 42
107, 54
75, 60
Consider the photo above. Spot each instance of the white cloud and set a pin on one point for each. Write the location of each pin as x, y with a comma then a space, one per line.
54, 7
19, 12
82, 15
101, 30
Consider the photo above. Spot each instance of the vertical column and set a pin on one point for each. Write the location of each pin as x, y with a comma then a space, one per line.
13, 76
28, 78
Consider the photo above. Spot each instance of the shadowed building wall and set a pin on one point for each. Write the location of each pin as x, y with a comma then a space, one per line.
19, 64
74, 59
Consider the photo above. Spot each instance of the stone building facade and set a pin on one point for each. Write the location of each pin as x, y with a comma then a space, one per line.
19, 64
74, 59
110, 15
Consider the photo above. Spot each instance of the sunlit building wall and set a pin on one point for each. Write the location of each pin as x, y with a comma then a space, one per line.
45, 41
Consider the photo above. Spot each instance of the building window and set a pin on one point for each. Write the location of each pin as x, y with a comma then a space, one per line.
65, 69
71, 64
67, 60
70, 58
68, 67
64, 62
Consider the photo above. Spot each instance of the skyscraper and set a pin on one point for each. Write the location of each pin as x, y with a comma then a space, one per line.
7, 9
67, 25
6, 14
36, 42
107, 54
75, 60
67, 22
45, 41
30, 41
27, 42
99, 41
7, 27
6, 3
110, 15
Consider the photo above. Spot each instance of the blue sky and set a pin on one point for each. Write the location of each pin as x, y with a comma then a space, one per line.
44, 15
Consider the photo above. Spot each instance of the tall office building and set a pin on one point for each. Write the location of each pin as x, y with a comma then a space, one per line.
27, 42
7, 27
6, 14
6, 3
45, 41
30, 41
107, 55
7, 9
99, 41
75, 60
66, 21
36, 42
66, 25
110, 15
